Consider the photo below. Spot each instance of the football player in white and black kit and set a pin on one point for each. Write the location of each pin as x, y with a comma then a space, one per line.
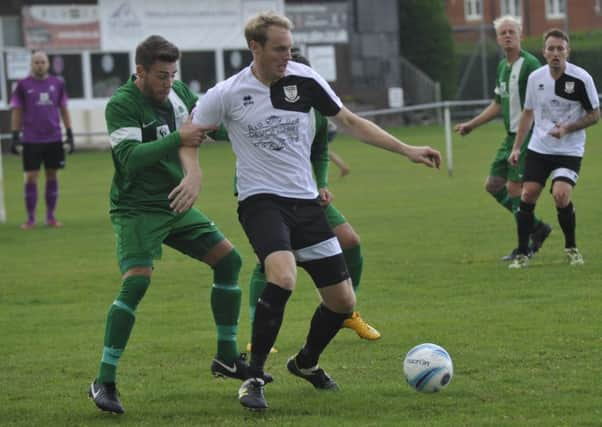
267, 111
561, 101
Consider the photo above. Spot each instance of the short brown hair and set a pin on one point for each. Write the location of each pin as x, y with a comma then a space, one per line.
156, 48
257, 27
555, 32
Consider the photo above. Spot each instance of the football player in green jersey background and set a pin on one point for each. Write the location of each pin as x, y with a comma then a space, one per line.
156, 181
504, 180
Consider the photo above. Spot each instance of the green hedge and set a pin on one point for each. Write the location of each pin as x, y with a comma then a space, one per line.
586, 52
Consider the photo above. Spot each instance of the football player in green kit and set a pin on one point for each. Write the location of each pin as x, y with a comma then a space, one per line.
156, 181
504, 180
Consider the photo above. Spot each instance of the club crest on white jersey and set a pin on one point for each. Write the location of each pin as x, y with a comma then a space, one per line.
290, 93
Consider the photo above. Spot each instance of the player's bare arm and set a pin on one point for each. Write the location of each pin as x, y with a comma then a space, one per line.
489, 113
368, 132
525, 123
191, 134
187, 191
591, 118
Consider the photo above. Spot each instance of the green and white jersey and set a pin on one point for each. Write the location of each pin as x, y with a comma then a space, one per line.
144, 145
511, 85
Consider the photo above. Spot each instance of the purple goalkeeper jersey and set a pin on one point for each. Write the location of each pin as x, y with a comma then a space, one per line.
40, 101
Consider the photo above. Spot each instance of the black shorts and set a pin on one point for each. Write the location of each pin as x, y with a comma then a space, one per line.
51, 154
539, 167
274, 223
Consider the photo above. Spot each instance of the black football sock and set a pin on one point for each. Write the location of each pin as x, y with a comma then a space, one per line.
568, 223
268, 319
324, 326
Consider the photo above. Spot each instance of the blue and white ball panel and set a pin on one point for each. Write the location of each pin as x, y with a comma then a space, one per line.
428, 368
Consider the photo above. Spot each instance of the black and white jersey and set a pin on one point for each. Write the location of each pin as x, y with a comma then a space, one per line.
271, 128
560, 101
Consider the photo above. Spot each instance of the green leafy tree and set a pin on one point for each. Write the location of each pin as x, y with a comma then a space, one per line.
426, 41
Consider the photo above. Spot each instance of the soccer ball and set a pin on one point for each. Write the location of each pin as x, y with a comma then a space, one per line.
428, 368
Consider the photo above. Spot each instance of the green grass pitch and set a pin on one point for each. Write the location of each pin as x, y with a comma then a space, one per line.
526, 345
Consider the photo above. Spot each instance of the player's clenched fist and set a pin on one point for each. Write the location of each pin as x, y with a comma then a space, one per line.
192, 135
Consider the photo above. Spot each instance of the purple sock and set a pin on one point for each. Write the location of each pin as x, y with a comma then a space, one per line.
52, 194
31, 199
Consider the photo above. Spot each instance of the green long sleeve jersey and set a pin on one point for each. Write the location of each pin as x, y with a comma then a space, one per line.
145, 141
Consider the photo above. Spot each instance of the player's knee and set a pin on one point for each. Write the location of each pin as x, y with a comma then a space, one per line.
561, 198
514, 188
493, 187
228, 267
348, 302
31, 177
529, 196
285, 278
343, 301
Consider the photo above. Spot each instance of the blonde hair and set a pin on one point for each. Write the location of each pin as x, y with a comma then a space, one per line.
257, 27
497, 23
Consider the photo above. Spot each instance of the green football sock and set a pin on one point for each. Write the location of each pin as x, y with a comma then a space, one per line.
256, 287
225, 305
504, 199
355, 263
120, 321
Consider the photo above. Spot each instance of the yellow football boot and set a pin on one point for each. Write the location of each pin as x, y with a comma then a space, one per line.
360, 327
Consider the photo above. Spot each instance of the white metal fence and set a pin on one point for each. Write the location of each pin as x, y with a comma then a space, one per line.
443, 110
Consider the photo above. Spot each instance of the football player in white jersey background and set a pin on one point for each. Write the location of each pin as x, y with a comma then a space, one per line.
504, 180
266, 109
561, 102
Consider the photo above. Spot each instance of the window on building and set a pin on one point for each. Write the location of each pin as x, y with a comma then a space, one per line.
473, 10
235, 60
555, 9
17, 65
511, 7
69, 68
12, 35
109, 71
197, 70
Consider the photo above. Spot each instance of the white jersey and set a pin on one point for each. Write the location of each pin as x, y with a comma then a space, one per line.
560, 101
271, 128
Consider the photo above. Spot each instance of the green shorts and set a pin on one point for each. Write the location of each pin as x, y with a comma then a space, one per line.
139, 236
333, 216
500, 165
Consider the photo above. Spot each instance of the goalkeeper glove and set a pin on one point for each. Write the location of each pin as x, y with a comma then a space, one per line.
69, 145
16, 147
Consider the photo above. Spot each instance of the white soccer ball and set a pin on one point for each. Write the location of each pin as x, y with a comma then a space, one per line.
428, 368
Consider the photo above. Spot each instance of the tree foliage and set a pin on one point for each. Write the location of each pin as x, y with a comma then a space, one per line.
426, 40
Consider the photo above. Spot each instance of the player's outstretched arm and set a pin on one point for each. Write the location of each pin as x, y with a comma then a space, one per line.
372, 134
489, 113
338, 160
